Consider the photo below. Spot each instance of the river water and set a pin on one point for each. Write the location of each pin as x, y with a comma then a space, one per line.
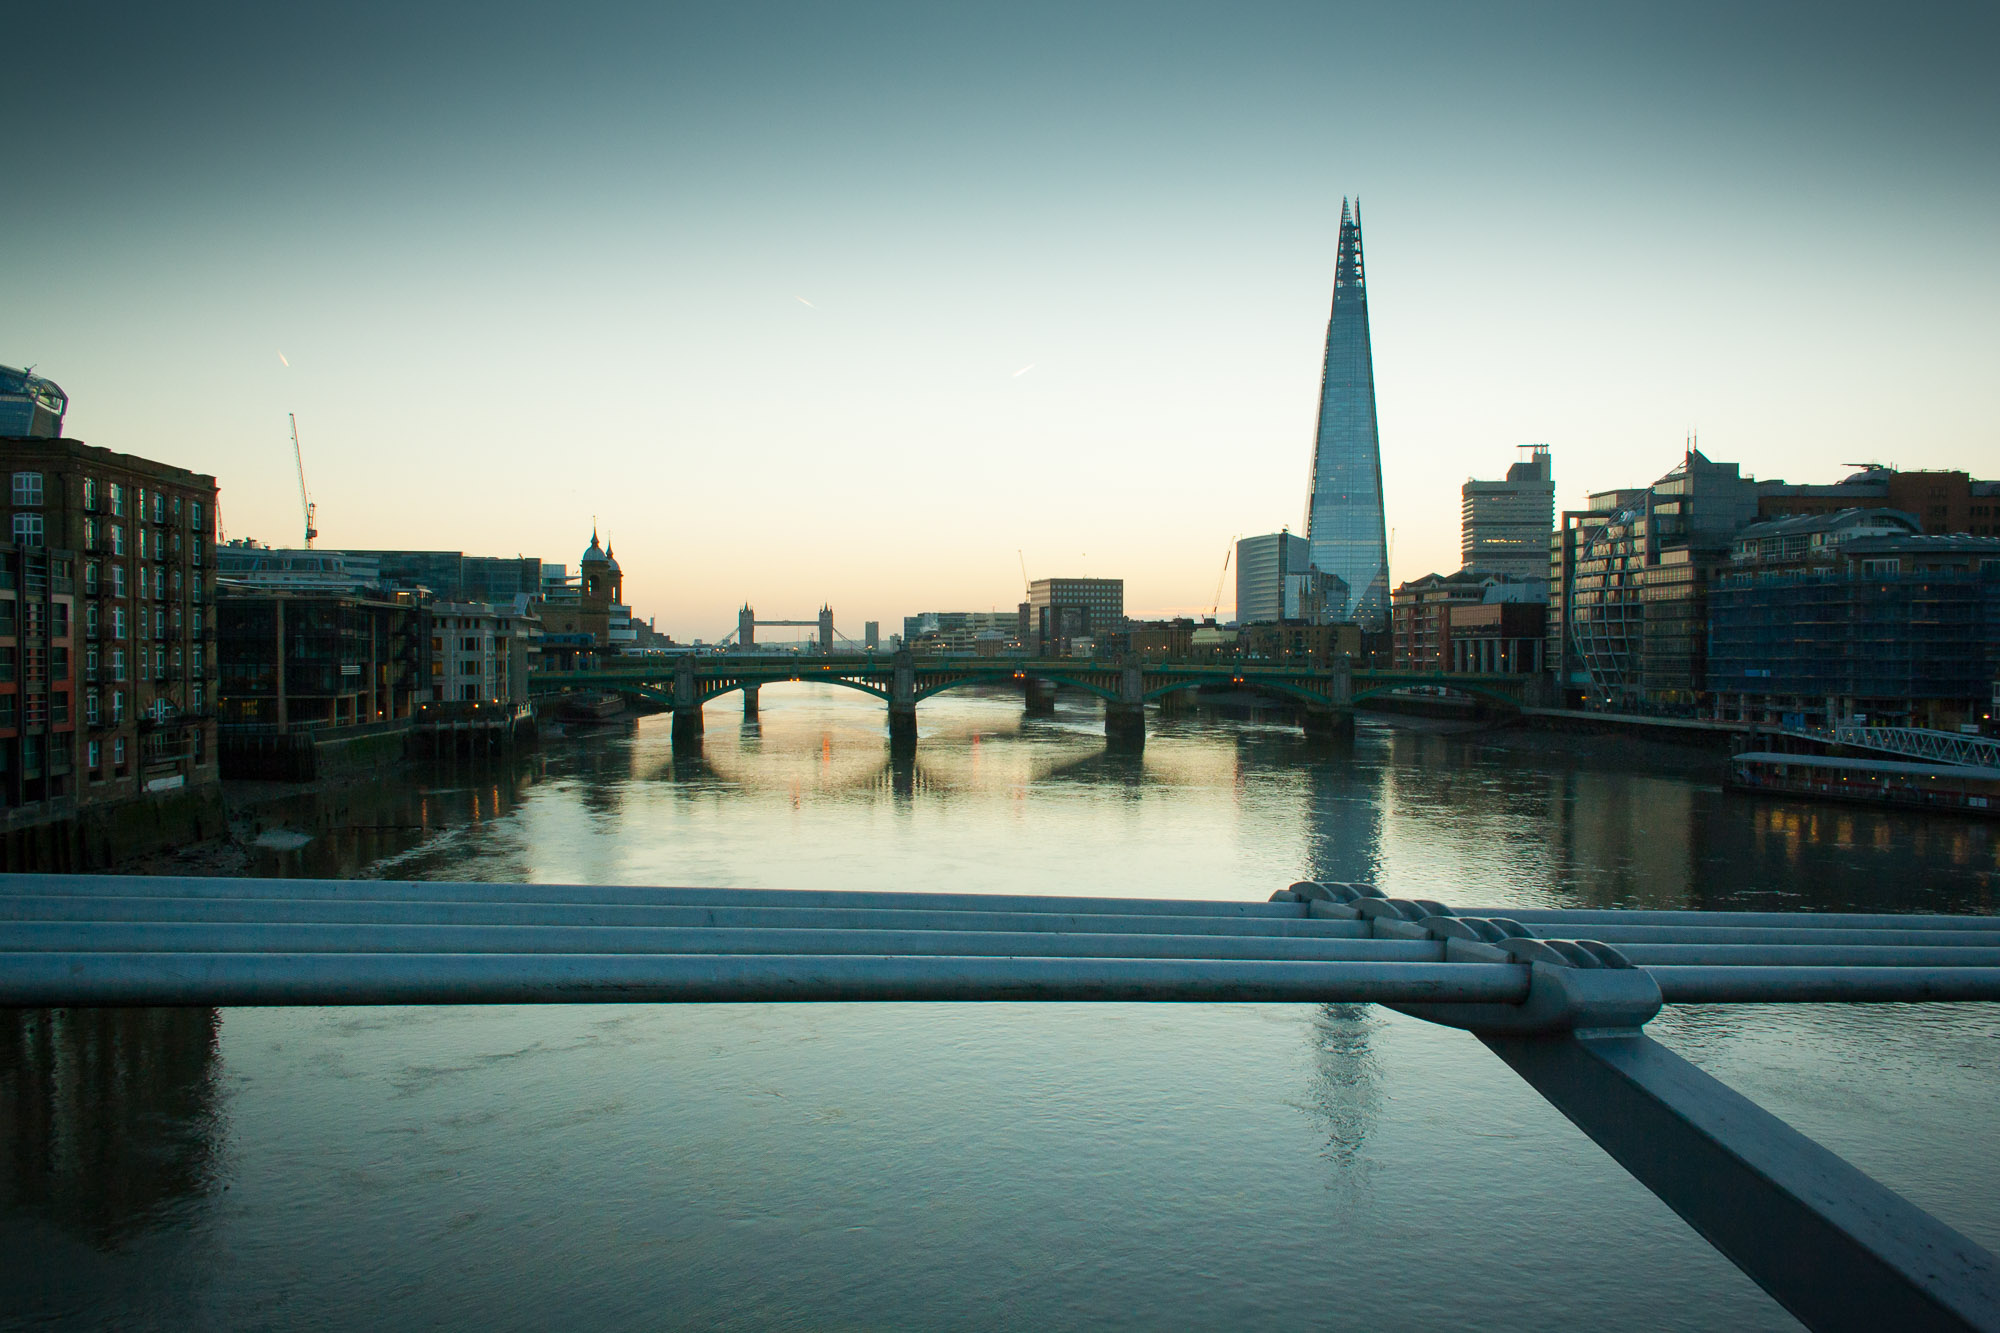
974, 1166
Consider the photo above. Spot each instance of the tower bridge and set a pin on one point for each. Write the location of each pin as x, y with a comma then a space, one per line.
1322, 696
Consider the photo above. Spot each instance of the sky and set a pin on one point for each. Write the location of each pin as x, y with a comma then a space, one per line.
871, 305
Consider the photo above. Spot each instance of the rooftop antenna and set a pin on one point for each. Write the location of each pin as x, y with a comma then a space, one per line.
305, 499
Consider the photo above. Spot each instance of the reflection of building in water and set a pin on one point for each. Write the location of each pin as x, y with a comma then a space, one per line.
1346, 1088
1343, 819
108, 1114
1625, 841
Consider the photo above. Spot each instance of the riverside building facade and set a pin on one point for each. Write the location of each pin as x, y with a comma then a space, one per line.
1856, 616
1628, 586
110, 577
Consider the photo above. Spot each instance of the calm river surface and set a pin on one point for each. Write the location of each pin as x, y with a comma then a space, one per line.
973, 1166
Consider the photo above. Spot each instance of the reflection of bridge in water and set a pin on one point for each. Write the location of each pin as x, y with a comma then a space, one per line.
1323, 697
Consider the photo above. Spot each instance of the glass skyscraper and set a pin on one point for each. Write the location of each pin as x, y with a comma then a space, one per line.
1344, 523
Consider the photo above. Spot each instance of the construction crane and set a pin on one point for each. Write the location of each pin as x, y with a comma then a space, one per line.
1215, 607
1024, 570
305, 499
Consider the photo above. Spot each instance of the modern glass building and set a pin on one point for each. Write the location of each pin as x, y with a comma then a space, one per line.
1344, 522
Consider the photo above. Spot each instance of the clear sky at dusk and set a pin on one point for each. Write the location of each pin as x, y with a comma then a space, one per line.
756, 285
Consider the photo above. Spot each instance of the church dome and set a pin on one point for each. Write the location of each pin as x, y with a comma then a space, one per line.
595, 555
612, 560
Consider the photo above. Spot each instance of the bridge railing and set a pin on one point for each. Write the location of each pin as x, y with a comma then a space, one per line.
1561, 996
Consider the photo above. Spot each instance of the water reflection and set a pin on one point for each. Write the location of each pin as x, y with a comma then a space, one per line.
113, 1117
1346, 1089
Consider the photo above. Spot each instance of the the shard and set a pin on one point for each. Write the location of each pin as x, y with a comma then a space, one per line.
1344, 523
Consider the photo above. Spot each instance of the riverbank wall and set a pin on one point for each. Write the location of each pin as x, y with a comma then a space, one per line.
102, 837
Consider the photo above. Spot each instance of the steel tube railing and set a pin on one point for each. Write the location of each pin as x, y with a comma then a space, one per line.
376, 937
50, 979
49, 907
1590, 916
1724, 934
382, 890
1800, 955
1825, 985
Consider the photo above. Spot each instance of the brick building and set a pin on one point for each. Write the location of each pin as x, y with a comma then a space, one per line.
111, 562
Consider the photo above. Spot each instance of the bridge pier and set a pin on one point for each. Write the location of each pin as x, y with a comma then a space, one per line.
903, 700
1326, 723
1125, 716
749, 702
1038, 696
687, 701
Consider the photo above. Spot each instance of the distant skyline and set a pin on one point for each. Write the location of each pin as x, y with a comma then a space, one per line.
848, 304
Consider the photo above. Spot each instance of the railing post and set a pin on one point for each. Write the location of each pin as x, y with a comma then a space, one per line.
1832, 1245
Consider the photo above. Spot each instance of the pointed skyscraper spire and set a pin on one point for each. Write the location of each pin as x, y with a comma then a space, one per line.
1344, 516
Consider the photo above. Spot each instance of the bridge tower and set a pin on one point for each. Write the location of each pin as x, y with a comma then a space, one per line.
746, 628
825, 628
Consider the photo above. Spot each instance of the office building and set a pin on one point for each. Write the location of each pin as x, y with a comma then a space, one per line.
313, 682
871, 634
248, 564
115, 565
1943, 501
1505, 525
1628, 586
1061, 611
453, 576
1262, 565
30, 406
482, 653
1855, 615
1345, 527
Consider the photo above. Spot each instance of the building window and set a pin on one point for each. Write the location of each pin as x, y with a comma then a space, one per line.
118, 751
27, 488
90, 663
118, 580
117, 500
194, 515
194, 698
177, 509
9, 716
177, 583
143, 534
159, 507
59, 709
27, 529
159, 622
118, 712
90, 534
90, 494
118, 622
59, 663
117, 667
59, 621
94, 755
90, 710
117, 538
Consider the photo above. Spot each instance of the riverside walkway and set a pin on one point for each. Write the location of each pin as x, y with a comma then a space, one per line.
1562, 996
